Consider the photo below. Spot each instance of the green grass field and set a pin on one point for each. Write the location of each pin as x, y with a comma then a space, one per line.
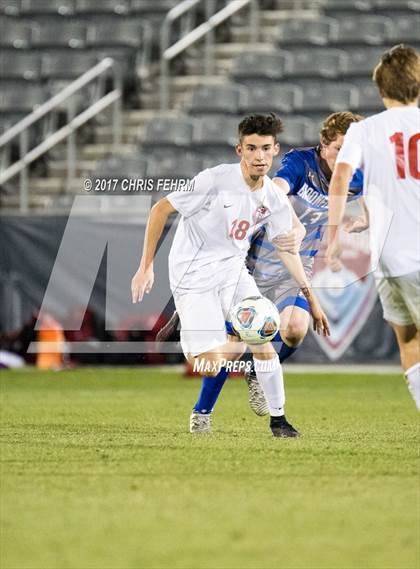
99, 471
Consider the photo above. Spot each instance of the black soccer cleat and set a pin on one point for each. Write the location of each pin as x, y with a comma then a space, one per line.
169, 332
281, 428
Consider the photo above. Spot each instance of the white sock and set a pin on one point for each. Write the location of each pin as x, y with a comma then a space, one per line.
270, 377
413, 381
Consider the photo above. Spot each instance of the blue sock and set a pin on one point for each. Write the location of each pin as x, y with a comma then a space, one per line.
285, 351
210, 389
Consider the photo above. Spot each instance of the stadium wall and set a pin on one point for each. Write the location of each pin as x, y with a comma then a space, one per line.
68, 265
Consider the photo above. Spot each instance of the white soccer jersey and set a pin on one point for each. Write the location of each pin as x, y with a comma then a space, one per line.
219, 216
386, 147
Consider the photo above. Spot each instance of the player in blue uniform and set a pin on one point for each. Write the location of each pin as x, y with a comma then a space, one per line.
304, 176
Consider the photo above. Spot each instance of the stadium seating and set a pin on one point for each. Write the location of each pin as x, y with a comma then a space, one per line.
282, 98
298, 131
250, 66
368, 95
18, 64
227, 156
306, 31
15, 33
215, 134
316, 62
20, 97
119, 7
169, 132
396, 5
66, 34
121, 167
66, 66
172, 167
152, 6
338, 8
120, 38
329, 97
117, 31
35, 8
348, 5
361, 60
10, 7
216, 99
405, 28
367, 29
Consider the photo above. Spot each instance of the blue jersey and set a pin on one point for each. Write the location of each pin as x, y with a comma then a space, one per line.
308, 195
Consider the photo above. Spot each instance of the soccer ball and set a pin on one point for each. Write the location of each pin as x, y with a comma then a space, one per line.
255, 320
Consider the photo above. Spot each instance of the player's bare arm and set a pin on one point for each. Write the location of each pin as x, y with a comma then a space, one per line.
337, 203
293, 263
143, 279
359, 223
292, 240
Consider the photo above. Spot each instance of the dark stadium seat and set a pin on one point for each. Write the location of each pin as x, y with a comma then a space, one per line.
216, 99
362, 60
16, 33
66, 33
35, 8
329, 97
20, 96
405, 29
266, 96
253, 65
103, 6
392, 6
10, 7
297, 31
317, 62
298, 131
226, 156
130, 166
215, 135
177, 132
15, 64
152, 6
348, 5
369, 99
173, 167
5, 123
367, 29
115, 32
67, 65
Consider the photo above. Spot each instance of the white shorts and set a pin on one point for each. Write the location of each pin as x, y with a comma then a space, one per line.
400, 298
203, 314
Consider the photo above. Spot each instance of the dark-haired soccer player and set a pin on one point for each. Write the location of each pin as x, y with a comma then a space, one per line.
207, 271
386, 147
304, 176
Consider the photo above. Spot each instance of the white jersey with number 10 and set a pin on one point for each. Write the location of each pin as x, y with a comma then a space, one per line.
387, 148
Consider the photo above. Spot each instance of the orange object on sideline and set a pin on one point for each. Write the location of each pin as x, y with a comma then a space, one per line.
52, 332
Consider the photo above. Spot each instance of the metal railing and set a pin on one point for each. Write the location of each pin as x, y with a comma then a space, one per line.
204, 31
22, 128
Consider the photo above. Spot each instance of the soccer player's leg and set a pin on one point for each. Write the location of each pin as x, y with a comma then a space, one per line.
294, 314
294, 325
400, 299
266, 362
270, 376
206, 347
408, 338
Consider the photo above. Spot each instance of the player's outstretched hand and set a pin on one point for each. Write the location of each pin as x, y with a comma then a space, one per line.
141, 283
356, 225
289, 242
320, 320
